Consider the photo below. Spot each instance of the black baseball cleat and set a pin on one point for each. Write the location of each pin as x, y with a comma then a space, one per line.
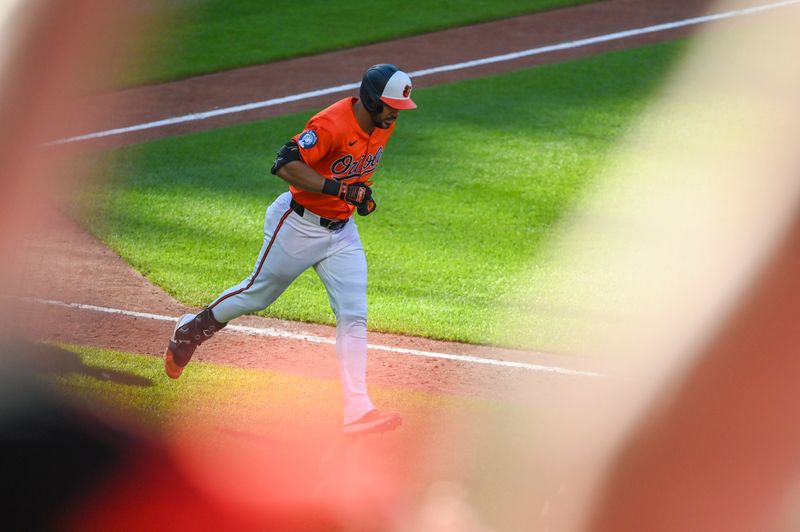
374, 421
178, 354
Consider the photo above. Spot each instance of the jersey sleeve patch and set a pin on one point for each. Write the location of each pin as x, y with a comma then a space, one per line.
307, 139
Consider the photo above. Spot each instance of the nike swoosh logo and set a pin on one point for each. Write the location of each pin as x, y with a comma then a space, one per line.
352, 142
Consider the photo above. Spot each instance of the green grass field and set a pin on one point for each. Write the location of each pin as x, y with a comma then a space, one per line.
229, 400
470, 187
190, 38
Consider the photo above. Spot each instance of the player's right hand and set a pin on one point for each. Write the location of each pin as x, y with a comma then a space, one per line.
357, 194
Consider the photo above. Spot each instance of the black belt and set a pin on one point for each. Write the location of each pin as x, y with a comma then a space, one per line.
333, 225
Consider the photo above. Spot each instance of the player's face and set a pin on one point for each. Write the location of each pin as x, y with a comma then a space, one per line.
386, 118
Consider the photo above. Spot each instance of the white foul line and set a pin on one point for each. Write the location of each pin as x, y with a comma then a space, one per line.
427, 72
278, 333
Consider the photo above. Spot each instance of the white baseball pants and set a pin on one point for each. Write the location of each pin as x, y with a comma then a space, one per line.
292, 244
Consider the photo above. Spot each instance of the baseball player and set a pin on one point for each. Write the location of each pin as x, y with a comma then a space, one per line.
329, 167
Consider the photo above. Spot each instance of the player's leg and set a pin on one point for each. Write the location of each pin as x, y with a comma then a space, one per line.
286, 253
271, 276
344, 274
277, 265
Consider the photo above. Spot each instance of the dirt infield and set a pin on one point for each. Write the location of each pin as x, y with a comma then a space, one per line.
86, 272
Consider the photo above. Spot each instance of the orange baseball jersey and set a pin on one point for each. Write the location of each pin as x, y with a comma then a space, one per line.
334, 145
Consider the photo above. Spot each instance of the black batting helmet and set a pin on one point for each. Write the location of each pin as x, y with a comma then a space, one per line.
388, 84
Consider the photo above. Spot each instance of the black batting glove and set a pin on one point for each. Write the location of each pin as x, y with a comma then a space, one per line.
368, 208
357, 194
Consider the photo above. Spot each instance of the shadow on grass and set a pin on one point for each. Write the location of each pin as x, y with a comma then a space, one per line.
54, 360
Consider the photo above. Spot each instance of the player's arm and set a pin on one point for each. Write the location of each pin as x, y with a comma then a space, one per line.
290, 167
299, 174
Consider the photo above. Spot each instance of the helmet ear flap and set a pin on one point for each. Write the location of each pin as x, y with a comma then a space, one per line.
370, 96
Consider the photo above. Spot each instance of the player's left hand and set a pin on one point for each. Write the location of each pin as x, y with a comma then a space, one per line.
367, 207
